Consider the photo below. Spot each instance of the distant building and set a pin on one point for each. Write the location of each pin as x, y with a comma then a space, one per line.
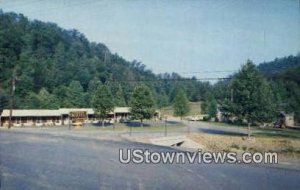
44, 117
289, 120
31, 117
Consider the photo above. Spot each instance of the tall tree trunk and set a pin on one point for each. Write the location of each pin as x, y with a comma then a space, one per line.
142, 123
103, 123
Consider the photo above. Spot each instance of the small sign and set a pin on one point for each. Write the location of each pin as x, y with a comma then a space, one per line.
78, 115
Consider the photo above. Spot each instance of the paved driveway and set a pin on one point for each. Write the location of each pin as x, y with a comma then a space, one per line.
46, 161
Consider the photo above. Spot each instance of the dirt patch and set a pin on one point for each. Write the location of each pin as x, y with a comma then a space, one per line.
287, 149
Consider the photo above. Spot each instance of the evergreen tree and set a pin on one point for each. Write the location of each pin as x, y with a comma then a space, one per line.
118, 94
142, 104
102, 102
210, 106
252, 97
181, 106
162, 99
42, 100
75, 96
92, 89
47, 100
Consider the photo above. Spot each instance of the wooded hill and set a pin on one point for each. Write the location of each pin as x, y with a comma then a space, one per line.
279, 65
60, 68
56, 68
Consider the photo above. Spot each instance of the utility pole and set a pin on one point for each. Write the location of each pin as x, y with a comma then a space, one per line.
165, 126
188, 127
231, 94
130, 130
12, 92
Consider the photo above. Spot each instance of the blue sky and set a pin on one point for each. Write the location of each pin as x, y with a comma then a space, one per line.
187, 37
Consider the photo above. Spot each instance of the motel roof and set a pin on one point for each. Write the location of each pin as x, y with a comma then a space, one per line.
31, 113
58, 112
66, 111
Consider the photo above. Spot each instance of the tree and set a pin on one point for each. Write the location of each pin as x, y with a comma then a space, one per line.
92, 89
119, 96
4, 99
142, 104
102, 102
252, 96
181, 106
42, 100
75, 95
210, 106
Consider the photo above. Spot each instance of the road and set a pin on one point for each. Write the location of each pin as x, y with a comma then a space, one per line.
47, 161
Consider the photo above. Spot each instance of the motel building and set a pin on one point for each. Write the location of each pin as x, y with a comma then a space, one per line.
47, 117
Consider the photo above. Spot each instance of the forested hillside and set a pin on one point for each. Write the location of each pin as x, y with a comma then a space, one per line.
284, 77
279, 65
55, 68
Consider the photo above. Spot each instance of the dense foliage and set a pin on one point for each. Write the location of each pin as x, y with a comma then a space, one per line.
181, 106
279, 65
210, 106
252, 98
142, 104
286, 83
56, 68
281, 81
60, 68
102, 102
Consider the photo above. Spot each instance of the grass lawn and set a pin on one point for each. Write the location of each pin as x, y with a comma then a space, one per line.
195, 109
220, 124
275, 132
263, 132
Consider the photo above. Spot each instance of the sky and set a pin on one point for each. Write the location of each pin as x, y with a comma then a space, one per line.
202, 38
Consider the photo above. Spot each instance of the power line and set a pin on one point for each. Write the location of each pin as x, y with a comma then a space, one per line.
210, 71
172, 80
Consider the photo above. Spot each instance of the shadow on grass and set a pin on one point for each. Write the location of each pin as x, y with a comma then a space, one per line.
100, 124
136, 124
173, 122
222, 132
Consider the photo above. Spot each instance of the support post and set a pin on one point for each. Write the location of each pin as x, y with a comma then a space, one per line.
249, 131
130, 130
166, 132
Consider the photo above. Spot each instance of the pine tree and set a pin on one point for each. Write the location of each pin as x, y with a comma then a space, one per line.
142, 104
252, 96
75, 95
119, 97
102, 102
92, 89
209, 106
181, 106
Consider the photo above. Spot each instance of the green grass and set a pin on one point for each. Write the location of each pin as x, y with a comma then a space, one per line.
195, 109
272, 132
262, 132
220, 124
